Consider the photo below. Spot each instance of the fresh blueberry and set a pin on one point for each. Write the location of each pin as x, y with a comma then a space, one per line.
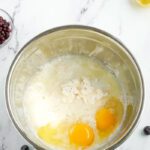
25, 147
147, 130
4, 29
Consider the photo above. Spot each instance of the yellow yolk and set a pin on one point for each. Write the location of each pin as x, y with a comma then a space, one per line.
105, 119
48, 134
81, 134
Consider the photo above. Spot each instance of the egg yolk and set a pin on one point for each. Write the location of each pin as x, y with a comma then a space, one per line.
48, 134
81, 134
105, 119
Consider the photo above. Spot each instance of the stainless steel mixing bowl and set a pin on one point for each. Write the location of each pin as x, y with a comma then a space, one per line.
76, 40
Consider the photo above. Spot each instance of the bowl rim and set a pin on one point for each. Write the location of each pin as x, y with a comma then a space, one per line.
12, 27
84, 27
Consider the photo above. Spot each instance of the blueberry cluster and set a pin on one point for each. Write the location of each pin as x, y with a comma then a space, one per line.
4, 30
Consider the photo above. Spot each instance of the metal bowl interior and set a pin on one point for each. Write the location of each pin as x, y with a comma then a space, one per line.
75, 40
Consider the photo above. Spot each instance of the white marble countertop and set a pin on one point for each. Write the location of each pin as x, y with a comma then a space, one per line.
122, 18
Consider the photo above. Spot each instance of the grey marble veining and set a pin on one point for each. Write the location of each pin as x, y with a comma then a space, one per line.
15, 11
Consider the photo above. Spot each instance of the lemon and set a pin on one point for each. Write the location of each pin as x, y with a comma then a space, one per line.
144, 2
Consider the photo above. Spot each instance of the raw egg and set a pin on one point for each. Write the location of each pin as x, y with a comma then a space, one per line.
105, 119
108, 117
81, 134
49, 135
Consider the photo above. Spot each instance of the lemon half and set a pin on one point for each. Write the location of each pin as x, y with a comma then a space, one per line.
144, 3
